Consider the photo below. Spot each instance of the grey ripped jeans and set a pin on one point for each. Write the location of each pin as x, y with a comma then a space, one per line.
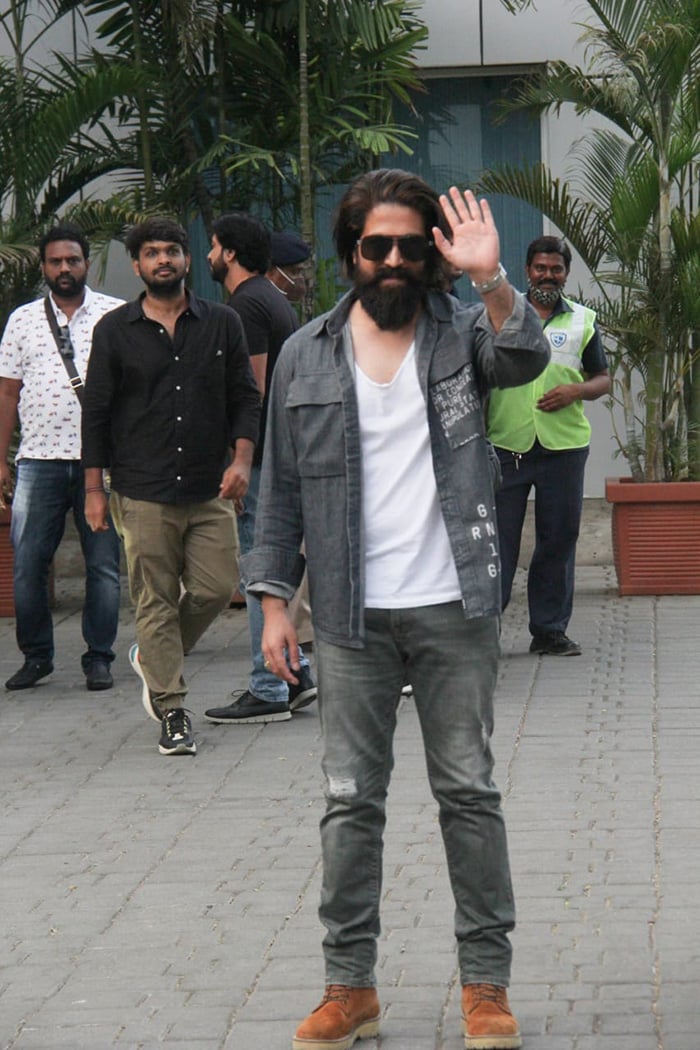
451, 662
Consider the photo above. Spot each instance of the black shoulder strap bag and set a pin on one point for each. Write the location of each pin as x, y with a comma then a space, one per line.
65, 349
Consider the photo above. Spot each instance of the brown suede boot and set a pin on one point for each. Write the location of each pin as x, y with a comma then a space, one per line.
487, 1022
343, 1015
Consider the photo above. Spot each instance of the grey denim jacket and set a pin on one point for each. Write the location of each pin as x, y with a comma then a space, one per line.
311, 475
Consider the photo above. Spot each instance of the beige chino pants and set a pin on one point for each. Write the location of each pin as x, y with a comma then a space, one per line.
182, 567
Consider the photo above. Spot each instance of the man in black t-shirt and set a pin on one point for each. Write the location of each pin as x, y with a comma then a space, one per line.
239, 259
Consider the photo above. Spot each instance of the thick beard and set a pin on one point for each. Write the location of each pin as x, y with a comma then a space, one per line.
544, 296
391, 308
71, 290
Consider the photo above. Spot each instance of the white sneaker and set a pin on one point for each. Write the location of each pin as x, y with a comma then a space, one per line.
149, 707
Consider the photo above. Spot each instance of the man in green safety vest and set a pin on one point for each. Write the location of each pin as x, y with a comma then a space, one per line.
541, 435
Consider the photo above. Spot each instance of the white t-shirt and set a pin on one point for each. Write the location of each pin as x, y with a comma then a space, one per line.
408, 558
49, 410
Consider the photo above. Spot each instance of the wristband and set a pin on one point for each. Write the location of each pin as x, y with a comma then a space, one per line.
493, 282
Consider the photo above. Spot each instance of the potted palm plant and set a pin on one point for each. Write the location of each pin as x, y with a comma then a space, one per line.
630, 212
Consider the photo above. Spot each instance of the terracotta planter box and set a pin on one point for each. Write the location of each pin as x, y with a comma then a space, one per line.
655, 535
7, 600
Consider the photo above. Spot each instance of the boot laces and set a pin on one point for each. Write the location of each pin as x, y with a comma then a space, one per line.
491, 993
336, 993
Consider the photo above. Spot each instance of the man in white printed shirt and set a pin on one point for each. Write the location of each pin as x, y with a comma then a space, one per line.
35, 387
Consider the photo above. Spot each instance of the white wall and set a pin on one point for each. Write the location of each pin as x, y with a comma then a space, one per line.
545, 31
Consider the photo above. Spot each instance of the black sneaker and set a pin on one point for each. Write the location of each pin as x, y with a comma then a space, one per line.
304, 693
29, 674
555, 643
176, 737
247, 708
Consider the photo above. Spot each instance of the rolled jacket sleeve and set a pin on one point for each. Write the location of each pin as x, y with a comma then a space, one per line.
518, 352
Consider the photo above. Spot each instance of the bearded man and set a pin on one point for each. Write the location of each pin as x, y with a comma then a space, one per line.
172, 410
376, 453
239, 259
43, 360
542, 435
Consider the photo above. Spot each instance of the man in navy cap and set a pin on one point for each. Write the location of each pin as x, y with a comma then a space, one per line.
288, 253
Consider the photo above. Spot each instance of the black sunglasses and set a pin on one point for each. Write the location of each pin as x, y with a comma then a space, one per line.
412, 246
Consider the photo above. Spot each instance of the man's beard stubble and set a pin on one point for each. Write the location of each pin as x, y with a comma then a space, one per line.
218, 270
67, 286
391, 308
164, 289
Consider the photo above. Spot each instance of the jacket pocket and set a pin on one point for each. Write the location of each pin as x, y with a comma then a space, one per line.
315, 406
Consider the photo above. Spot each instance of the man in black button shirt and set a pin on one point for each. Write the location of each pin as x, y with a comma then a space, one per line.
172, 410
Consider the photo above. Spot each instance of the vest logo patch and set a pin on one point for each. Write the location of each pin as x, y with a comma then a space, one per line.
558, 339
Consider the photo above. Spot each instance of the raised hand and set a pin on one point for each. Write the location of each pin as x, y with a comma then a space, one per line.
475, 246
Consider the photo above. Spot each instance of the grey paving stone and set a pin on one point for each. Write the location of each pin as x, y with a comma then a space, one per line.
152, 902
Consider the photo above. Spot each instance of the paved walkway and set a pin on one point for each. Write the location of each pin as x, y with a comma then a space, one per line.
150, 901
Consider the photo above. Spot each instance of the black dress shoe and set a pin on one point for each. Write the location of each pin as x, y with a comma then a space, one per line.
29, 674
98, 675
554, 643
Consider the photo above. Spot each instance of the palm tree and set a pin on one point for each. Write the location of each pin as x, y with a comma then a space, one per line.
630, 211
59, 146
197, 106
170, 119
331, 75
254, 105
314, 84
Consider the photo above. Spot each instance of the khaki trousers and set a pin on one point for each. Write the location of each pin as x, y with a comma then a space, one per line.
181, 560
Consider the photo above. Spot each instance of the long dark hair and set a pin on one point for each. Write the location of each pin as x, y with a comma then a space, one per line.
388, 186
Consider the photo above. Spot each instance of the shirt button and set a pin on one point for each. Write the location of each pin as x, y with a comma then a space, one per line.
179, 450
177, 358
178, 388
178, 478
179, 419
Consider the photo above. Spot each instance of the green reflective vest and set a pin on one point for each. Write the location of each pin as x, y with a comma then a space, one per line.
514, 421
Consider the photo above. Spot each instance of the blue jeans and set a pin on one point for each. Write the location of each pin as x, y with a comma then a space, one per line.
557, 478
262, 684
452, 664
44, 492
